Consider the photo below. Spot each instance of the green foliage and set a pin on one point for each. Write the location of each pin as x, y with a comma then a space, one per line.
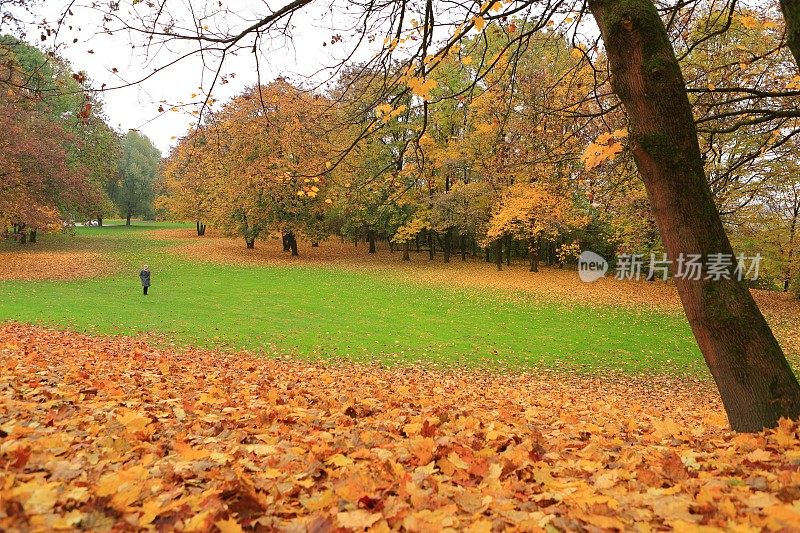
133, 191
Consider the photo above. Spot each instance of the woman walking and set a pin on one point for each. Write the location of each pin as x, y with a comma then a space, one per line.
144, 275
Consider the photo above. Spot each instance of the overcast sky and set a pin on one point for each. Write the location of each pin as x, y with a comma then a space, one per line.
137, 106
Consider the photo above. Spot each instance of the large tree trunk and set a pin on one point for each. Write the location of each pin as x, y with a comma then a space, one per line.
754, 379
791, 14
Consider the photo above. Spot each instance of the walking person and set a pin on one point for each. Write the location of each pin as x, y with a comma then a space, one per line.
144, 275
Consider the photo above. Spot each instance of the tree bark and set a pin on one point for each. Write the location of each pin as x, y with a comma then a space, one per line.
292, 243
534, 251
371, 238
754, 379
406, 246
791, 15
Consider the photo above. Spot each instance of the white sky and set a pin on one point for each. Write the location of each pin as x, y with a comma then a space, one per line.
137, 106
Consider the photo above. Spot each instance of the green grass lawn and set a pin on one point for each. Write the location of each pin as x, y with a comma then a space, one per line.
332, 312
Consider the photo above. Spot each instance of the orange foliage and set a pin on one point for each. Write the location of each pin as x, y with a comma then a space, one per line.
110, 433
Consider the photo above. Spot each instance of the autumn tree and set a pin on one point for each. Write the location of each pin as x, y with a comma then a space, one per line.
133, 190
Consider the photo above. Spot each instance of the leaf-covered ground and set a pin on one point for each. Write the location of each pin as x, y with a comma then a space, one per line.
28, 265
107, 433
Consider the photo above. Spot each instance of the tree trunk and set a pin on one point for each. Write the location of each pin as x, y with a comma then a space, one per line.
753, 377
285, 238
292, 243
447, 239
128, 220
32, 236
509, 242
251, 243
99, 221
499, 253
23, 236
431, 246
463, 247
791, 15
534, 252
488, 251
417, 242
315, 244
371, 238
406, 247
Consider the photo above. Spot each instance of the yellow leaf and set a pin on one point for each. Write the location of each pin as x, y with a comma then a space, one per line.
358, 520
339, 460
228, 526
457, 461
749, 22
187, 453
466, 60
479, 22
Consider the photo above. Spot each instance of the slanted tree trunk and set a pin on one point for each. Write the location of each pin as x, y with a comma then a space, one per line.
406, 247
371, 239
251, 242
292, 243
791, 15
753, 377
498, 244
534, 253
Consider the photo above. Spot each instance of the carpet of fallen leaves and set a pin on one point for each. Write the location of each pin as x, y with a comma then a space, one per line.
107, 433
29, 265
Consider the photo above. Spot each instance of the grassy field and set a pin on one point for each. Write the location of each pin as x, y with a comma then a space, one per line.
332, 311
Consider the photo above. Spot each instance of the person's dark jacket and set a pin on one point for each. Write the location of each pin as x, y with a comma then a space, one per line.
144, 275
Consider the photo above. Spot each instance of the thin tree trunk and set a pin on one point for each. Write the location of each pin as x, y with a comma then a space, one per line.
292, 243
499, 253
509, 242
371, 238
463, 247
753, 377
791, 15
431, 246
447, 238
534, 253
